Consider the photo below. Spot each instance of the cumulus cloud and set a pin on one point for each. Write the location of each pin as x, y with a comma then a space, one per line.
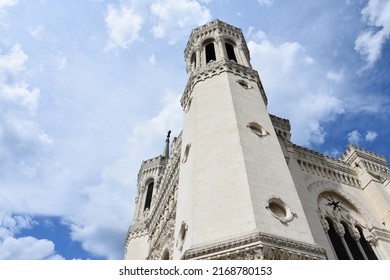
123, 26
23, 248
13, 62
13, 224
336, 76
20, 134
175, 19
371, 136
100, 223
303, 96
265, 2
354, 137
28, 248
370, 42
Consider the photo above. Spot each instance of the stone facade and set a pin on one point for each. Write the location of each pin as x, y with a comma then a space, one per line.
232, 185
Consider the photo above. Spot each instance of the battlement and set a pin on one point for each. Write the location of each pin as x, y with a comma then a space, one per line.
354, 152
151, 164
211, 28
282, 127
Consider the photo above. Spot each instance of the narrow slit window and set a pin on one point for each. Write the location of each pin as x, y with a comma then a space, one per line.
149, 194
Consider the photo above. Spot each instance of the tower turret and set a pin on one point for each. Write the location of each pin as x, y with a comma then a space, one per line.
235, 188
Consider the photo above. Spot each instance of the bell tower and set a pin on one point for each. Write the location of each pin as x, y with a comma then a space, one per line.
236, 197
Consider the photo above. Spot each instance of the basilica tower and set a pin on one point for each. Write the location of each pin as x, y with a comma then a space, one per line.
235, 191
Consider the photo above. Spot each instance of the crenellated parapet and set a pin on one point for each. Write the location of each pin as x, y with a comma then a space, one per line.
282, 127
215, 29
364, 158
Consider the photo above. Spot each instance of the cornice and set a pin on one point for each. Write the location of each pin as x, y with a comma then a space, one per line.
216, 68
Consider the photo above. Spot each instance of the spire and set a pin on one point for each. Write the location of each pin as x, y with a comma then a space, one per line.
166, 149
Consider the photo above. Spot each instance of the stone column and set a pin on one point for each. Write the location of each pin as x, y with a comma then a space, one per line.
242, 55
197, 53
340, 230
221, 49
356, 236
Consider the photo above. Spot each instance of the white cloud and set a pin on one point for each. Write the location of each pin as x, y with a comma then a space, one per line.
335, 76
177, 18
101, 221
370, 42
354, 137
152, 59
371, 136
61, 61
21, 137
12, 62
123, 26
265, 2
36, 32
27, 248
7, 3
302, 97
13, 224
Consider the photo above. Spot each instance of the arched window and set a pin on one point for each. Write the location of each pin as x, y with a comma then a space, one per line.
210, 52
366, 246
230, 52
337, 244
165, 256
149, 194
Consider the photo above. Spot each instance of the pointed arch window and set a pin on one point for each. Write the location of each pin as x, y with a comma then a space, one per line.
149, 195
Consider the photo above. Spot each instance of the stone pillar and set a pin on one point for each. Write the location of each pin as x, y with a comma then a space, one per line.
197, 53
221, 49
242, 55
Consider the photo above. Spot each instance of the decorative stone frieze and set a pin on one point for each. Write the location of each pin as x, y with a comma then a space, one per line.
257, 246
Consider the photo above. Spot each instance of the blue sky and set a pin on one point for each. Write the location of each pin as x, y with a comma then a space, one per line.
89, 88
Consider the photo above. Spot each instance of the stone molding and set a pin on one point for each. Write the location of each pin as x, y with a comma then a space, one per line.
215, 68
257, 246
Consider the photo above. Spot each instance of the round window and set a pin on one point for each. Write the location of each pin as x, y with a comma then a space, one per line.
279, 209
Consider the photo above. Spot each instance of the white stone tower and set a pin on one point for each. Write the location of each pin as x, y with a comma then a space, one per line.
235, 190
